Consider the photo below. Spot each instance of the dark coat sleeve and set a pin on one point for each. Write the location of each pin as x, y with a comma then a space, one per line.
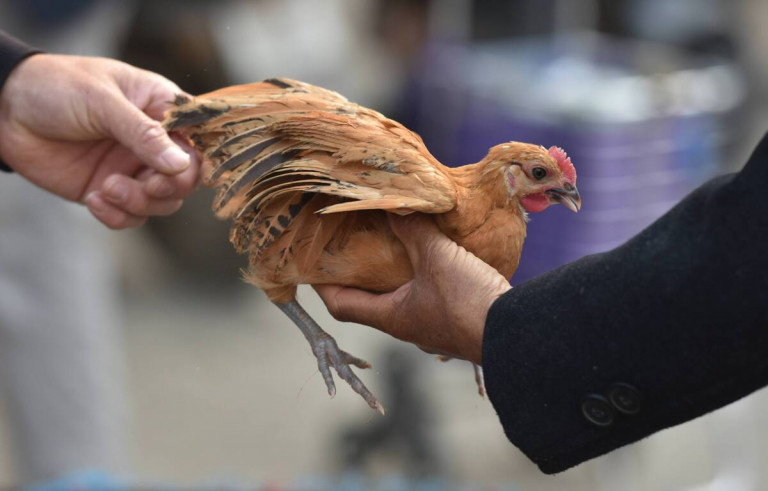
12, 52
611, 348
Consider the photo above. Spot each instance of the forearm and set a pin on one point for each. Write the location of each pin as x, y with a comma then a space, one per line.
12, 52
678, 312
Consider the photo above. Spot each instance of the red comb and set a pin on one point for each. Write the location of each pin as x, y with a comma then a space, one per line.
564, 162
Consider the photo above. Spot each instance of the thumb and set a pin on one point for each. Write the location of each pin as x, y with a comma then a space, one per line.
144, 136
418, 232
359, 306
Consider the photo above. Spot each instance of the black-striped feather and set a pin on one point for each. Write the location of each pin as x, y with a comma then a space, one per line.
271, 147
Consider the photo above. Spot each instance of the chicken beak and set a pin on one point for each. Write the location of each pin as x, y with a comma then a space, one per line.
567, 195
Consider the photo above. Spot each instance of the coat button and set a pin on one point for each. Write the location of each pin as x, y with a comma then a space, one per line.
625, 398
597, 410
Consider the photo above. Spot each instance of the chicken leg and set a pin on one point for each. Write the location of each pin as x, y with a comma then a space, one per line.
328, 353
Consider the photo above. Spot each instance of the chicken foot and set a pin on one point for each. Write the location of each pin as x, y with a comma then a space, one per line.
479, 380
329, 354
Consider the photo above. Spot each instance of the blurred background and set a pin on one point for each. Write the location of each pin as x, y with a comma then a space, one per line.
139, 359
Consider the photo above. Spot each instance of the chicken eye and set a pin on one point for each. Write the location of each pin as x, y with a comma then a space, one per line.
539, 173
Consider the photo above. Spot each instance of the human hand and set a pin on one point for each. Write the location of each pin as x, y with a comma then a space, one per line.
443, 309
87, 130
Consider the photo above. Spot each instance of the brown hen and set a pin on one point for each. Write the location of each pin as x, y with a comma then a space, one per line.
308, 178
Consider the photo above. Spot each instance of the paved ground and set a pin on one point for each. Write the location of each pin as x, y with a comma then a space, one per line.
227, 390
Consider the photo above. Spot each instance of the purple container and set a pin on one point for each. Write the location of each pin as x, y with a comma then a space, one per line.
629, 174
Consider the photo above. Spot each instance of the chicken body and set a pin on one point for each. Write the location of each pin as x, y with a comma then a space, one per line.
308, 178
362, 252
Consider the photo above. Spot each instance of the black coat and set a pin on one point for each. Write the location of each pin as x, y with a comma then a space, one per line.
613, 347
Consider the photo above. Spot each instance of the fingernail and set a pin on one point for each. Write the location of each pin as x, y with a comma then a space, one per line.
175, 159
117, 192
95, 203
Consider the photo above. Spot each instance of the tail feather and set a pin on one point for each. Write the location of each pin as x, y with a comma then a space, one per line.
238, 183
397, 203
327, 225
252, 224
248, 154
190, 113
225, 148
269, 195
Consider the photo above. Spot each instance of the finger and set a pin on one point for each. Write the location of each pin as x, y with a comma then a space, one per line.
144, 136
179, 186
160, 186
110, 215
442, 356
418, 232
151, 92
162, 99
130, 196
353, 305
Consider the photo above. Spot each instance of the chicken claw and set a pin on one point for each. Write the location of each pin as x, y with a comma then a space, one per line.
479, 379
329, 354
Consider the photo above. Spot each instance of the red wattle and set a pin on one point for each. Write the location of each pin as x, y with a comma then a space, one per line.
535, 203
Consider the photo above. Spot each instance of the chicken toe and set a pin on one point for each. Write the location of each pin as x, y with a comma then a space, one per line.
329, 354
480, 380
